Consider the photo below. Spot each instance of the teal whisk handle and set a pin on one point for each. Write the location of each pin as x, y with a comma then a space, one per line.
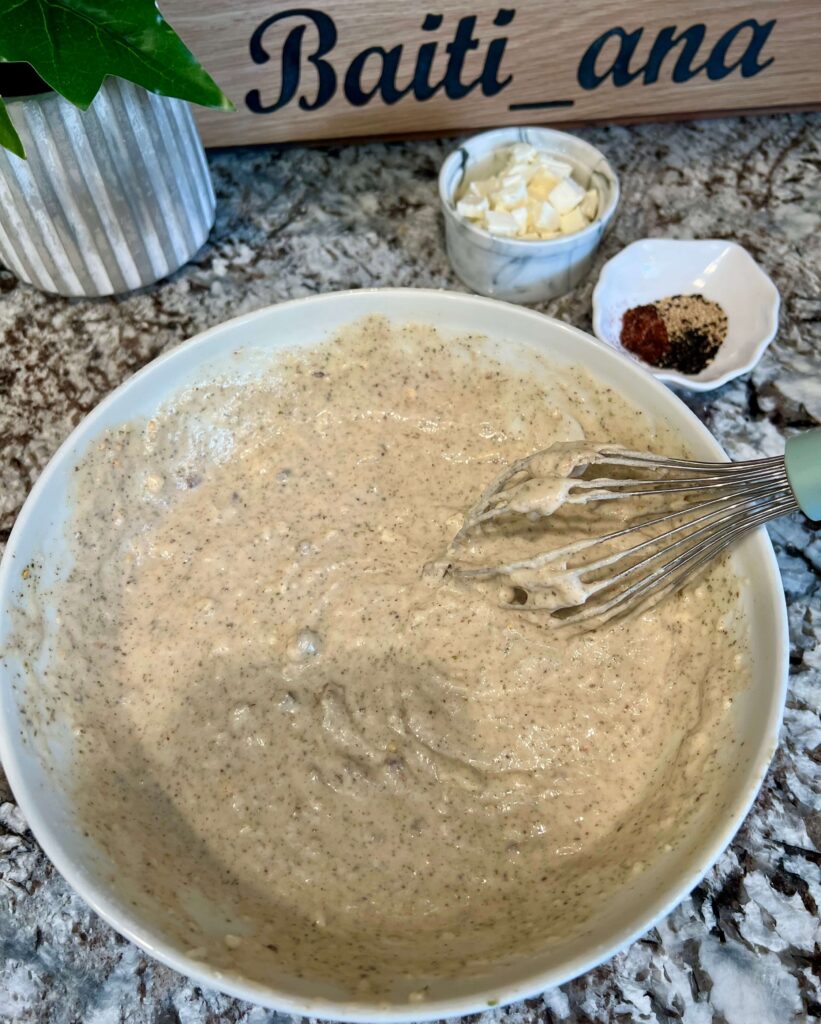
802, 457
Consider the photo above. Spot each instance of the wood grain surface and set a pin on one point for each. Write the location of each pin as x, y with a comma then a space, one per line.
540, 61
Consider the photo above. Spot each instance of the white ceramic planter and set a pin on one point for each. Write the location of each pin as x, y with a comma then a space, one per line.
109, 199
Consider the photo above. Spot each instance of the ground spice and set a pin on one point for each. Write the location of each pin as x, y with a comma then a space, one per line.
681, 332
644, 333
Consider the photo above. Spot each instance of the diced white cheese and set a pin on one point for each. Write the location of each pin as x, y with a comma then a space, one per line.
553, 165
519, 214
533, 196
590, 204
541, 184
525, 171
500, 222
513, 192
523, 152
566, 196
472, 207
575, 220
543, 216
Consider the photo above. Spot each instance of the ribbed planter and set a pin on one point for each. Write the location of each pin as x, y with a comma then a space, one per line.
109, 199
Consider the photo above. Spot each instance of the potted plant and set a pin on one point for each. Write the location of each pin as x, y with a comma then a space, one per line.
103, 181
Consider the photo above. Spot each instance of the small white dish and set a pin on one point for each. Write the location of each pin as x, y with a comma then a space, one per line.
517, 269
722, 271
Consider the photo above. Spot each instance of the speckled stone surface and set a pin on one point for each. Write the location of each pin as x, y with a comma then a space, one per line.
744, 947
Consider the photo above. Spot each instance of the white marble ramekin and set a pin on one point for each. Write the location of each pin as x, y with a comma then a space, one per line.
515, 269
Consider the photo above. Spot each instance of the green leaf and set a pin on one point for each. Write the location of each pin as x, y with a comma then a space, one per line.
74, 44
8, 133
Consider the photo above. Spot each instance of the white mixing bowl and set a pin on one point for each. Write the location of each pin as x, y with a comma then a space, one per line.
39, 766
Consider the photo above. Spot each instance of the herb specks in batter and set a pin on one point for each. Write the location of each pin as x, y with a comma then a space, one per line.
312, 759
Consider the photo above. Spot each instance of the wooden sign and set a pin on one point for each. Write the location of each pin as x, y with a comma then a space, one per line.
337, 68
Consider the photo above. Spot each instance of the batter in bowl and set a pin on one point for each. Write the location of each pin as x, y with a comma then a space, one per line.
378, 775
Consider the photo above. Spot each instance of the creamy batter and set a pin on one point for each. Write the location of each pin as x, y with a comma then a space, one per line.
381, 776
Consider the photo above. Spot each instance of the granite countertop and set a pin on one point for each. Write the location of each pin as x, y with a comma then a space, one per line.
743, 948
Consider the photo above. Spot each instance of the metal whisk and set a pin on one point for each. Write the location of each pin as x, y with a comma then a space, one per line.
683, 514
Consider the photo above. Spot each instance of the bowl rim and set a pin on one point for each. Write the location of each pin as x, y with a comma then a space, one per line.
525, 246
676, 377
121, 919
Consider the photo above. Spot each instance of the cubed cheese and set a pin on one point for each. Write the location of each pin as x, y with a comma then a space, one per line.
590, 204
519, 214
575, 220
566, 196
553, 165
526, 171
523, 153
532, 196
541, 184
500, 222
543, 216
472, 207
513, 192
